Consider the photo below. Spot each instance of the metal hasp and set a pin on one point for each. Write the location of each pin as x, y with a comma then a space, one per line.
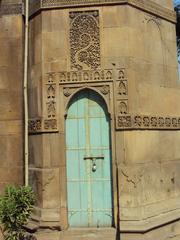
93, 159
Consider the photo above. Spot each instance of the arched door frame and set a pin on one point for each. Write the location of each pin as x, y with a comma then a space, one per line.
67, 92
98, 92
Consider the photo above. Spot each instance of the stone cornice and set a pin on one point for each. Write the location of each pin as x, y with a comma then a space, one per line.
37, 5
145, 5
11, 9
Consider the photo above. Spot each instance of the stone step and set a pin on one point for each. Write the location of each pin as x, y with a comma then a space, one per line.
89, 234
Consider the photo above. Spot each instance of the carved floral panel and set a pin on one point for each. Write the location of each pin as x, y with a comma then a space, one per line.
84, 40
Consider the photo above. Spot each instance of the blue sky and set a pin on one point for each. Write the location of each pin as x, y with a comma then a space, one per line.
176, 2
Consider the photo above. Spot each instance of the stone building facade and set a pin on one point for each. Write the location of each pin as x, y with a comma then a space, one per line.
124, 52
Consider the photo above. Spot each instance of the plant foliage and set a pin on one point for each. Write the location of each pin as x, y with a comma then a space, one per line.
16, 206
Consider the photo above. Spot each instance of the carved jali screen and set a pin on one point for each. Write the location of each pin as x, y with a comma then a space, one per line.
84, 40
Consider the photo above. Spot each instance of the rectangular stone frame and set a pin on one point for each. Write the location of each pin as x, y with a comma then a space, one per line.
67, 90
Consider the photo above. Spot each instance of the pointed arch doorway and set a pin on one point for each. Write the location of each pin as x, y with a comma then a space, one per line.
88, 161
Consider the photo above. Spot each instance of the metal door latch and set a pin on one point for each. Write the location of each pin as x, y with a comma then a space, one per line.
93, 159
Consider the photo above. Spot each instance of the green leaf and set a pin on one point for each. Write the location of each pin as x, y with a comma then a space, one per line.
16, 206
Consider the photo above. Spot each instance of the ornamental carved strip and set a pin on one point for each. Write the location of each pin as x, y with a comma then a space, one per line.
34, 125
85, 76
51, 97
147, 122
50, 122
11, 9
121, 92
84, 40
69, 90
146, 5
46, 3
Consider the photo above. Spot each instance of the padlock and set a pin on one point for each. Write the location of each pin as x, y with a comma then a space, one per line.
94, 167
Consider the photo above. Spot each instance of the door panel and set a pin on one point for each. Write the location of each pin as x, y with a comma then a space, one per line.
88, 156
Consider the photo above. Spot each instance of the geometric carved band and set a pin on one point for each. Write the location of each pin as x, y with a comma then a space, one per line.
11, 9
85, 76
124, 122
145, 5
147, 122
39, 126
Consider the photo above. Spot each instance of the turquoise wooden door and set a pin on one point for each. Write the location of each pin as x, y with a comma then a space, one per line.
88, 157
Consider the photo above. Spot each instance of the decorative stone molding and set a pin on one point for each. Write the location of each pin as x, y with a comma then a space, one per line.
50, 124
40, 126
85, 76
105, 89
11, 9
77, 2
84, 40
49, 121
147, 122
35, 125
67, 92
145, 5
51, 106
121, 92
106, 82
37, 5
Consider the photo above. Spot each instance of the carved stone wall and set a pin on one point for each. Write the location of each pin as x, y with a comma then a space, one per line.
144, 154
48, 122
118, 77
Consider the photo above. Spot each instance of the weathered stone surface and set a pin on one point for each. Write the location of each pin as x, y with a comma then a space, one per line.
11, 98
138, 70
148, 161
